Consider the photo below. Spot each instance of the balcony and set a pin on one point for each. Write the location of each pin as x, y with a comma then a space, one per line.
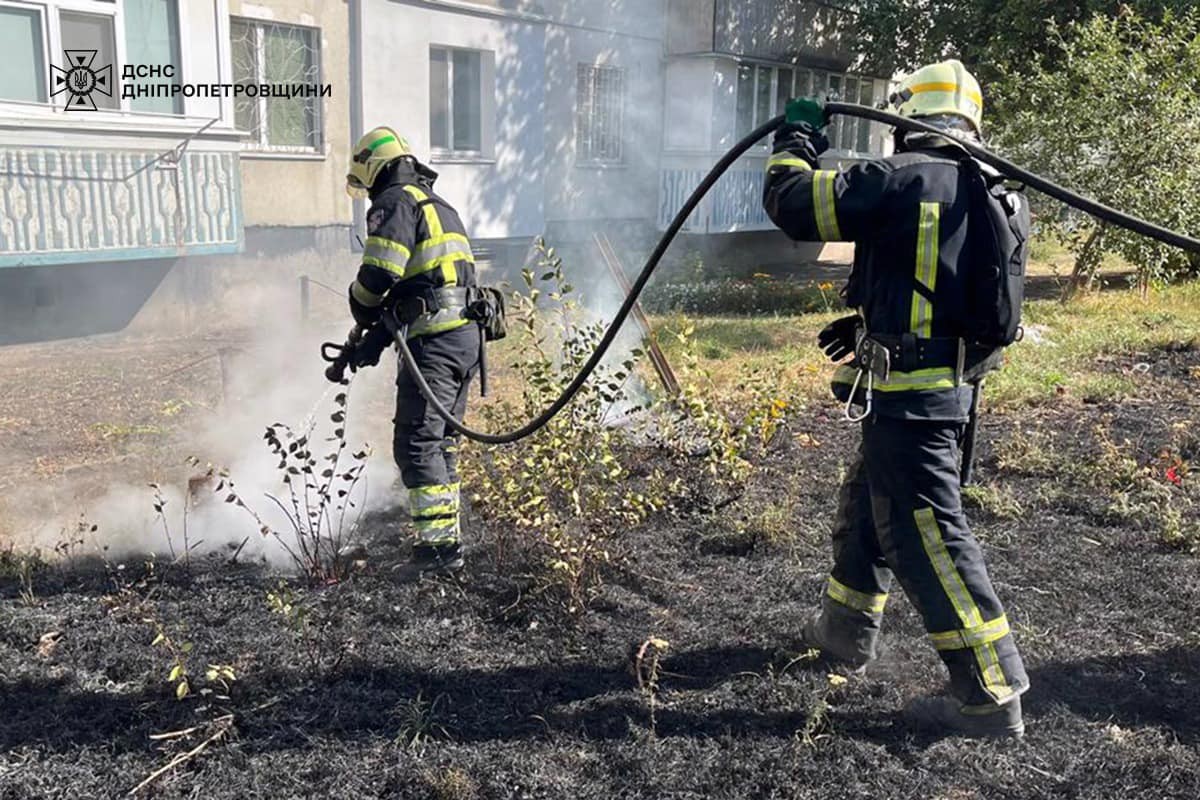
770, 30
70, 205
733, 205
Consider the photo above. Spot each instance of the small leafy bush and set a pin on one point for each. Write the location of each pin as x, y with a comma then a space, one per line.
319, 506
565, 494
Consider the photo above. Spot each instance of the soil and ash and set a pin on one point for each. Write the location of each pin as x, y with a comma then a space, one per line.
484, 690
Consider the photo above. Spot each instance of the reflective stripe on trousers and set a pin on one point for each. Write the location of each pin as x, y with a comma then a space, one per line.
900, 513
435, 512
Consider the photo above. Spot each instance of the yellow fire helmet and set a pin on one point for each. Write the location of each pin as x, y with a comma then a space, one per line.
375, 150
945, 88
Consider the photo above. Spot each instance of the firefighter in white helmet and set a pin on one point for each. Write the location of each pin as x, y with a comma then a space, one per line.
418, 261
919, 341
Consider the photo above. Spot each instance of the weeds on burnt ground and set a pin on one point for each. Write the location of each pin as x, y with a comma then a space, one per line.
419, 722
999, 501
21, 569
314, 621
647, 668
561, 498
319, 511
817, 722
160, 505
449, 783
1156, 494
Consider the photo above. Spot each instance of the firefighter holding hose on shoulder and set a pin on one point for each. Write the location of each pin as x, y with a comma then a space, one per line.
917, 354
417, 263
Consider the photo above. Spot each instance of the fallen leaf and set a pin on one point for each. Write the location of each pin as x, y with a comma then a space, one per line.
47, 643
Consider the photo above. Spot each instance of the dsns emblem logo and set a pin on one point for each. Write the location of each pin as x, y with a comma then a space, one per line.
80, 79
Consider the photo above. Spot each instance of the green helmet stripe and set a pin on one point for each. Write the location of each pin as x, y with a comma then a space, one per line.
381, 140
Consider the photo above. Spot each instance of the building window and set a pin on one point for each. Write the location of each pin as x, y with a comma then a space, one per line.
763, 92
757, 97
33, 37
152, 38
456, 100
599, 113
22, 42
275, 54
81, 31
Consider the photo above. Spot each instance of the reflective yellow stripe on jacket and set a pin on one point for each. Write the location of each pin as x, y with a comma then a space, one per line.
441, 250
386, 254
915, 381
824, 205
788, 160
928, 231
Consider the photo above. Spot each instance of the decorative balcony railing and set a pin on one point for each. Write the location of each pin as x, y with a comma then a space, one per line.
62, 205
734, 204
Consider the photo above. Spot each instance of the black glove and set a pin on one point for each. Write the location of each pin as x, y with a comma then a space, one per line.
800, 138
839, 337
369, 347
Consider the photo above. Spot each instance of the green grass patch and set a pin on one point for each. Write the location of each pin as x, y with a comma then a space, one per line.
1071, 349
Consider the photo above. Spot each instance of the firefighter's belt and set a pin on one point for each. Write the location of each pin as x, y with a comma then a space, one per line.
881, 353
434, 310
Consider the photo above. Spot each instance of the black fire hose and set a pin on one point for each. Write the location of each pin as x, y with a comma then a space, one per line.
1011, 170
846, 109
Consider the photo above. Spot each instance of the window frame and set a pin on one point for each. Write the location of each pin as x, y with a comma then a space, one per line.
260, 145
816, 81
593, 72
451, 152
42, 10
50, 14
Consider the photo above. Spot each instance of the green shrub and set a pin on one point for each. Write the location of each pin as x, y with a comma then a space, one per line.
561, 499
758, 295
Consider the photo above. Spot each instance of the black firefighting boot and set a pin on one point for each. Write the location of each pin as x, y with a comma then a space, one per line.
439, 558
948, 716
845, 637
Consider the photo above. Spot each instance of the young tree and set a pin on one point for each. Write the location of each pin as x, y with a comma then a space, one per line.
1110, 111
989, 36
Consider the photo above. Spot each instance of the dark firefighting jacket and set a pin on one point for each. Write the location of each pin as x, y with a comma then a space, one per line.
415, 243
908, 217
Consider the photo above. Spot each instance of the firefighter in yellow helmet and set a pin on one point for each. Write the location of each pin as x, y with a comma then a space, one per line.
417, 259
920, 341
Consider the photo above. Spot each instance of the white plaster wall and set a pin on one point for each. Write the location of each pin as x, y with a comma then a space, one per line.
308, 190
501, 194
580, 191
689, 105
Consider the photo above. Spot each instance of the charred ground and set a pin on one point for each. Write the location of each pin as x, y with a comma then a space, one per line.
482, 690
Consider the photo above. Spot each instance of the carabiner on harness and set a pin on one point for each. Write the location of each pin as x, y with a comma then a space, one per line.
868, 396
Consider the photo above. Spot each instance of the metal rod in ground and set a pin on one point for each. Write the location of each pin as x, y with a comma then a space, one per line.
305, 298
659, 360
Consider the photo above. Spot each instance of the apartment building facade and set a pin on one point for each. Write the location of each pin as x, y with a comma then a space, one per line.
566, 117
130, 165
559, 118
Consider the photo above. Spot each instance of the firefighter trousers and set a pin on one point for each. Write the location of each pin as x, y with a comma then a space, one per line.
425, 449
900, 514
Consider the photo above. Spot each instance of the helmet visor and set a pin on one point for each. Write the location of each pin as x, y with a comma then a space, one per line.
355, 188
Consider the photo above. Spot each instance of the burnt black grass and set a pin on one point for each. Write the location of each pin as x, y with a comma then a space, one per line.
518, 699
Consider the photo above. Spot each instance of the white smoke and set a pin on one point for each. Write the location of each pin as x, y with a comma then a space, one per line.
274, 378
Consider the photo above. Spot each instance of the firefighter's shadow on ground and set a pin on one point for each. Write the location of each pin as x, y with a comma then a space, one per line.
544, 701
1160, 689
282, 709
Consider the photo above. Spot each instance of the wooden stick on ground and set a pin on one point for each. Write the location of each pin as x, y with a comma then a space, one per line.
224, 723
